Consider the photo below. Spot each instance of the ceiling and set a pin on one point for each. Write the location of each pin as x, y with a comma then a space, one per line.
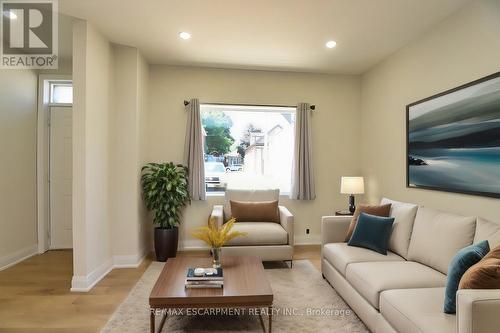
287, 35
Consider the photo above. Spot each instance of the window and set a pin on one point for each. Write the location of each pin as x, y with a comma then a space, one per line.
248, 147
61, 93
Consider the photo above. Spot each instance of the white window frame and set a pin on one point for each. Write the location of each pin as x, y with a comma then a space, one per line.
226, 107
52, 83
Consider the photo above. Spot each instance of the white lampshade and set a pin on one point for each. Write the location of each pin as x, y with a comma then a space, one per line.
352, 185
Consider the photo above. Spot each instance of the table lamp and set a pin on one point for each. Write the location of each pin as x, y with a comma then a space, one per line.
351, 186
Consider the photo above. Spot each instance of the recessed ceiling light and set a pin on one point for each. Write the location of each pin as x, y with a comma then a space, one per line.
10, 14
331, 44
184, 35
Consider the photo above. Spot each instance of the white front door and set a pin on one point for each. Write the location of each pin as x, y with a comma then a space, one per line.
61, 177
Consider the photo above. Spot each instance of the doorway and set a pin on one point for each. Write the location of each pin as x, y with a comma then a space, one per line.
61, 177
55, 164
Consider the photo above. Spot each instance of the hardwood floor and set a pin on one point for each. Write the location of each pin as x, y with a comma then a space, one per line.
308, 252
35, 296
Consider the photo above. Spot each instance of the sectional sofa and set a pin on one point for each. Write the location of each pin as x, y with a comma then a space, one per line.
403, 291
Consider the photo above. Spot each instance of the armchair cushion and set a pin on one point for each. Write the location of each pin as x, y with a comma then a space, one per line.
255, 211
259, 233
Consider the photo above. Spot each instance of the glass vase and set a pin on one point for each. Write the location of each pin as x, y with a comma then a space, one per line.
216, 253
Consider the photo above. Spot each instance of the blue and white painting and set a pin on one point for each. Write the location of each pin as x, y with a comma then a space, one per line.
454, 140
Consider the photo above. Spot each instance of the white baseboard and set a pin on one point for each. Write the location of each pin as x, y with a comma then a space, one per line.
13, 258
194, 248
307, 240
192, 245
85, 283
128, 261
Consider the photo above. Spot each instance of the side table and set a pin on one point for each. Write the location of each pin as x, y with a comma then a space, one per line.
343, 213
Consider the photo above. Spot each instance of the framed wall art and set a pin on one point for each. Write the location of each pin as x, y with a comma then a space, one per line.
453, 139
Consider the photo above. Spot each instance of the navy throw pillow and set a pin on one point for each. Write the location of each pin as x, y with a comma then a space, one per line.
461, 262
372, 232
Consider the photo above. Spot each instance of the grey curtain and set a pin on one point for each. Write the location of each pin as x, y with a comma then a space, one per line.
193, 151
302, 170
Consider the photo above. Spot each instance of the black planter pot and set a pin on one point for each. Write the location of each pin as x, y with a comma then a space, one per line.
166, 241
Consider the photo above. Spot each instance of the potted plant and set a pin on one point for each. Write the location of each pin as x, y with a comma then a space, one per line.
165, 192
216, 236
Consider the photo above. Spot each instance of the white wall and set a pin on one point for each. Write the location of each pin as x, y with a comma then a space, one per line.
92, 78
335, 129
110, 83
18, 112
128, 227
65, 40
145, 227
463, 48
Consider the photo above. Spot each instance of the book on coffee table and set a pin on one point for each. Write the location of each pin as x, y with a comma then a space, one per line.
205, 277
213, 280
204, 284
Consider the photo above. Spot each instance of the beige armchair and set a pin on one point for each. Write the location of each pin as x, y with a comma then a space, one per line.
268, 240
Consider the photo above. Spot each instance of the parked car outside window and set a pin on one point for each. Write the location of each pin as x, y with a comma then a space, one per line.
234, 167
215, 177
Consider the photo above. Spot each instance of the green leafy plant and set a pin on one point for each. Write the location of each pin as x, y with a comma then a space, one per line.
165, 191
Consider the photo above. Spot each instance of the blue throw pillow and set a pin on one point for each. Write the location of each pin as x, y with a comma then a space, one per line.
372, 232
460, 263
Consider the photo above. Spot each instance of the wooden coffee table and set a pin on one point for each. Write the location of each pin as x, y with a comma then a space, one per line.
245, 285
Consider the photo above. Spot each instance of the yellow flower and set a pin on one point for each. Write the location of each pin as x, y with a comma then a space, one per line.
215, 236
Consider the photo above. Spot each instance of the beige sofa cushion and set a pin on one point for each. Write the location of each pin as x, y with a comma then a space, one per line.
372, 278
247, 195
486, 230
417, 310
259, 233
339, 255
404, 215
437, 236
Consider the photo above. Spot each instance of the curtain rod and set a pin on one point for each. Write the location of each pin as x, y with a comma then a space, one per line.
313, 107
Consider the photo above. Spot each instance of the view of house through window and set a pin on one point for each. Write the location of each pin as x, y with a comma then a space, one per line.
248, 147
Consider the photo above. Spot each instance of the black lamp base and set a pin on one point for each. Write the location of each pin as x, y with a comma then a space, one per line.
352, 206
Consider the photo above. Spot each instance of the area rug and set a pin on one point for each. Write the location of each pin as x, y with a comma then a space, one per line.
303, 302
